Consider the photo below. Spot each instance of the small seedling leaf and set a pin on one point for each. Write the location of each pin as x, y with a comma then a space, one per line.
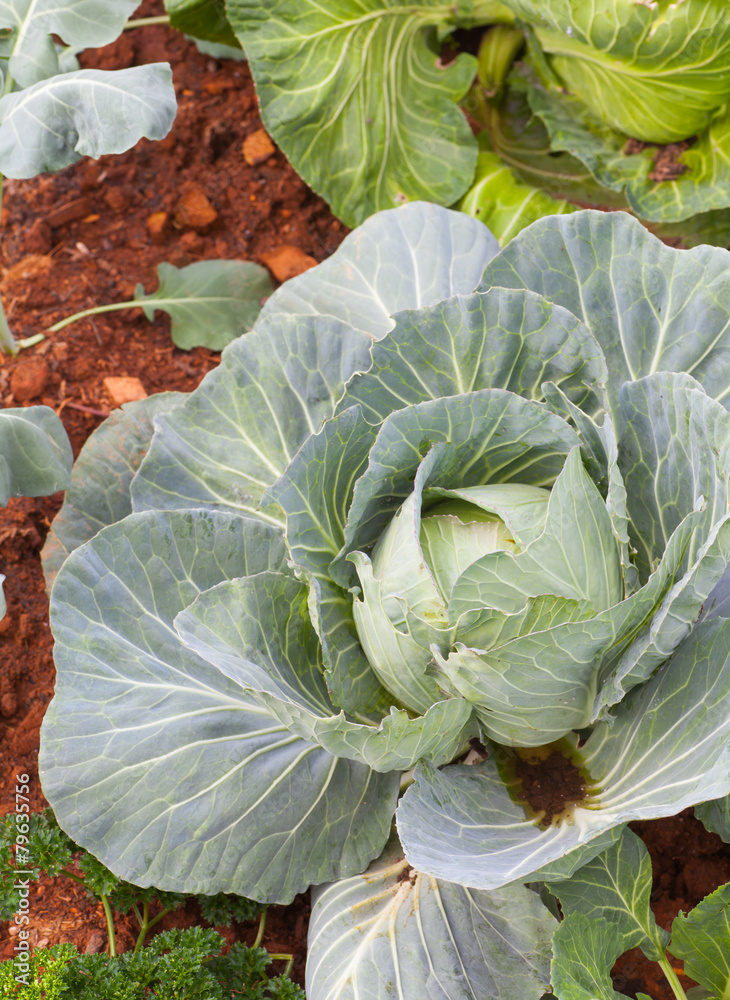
210, 303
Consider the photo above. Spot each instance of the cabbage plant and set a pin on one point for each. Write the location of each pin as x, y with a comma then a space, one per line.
363, 100
446, 512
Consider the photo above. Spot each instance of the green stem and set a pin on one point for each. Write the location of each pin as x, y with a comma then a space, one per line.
143, 927
289, 959
30, 341
107, 912
76, 878
90, 312
143, 22
159, 917
262, 927
110, 926
672, 979
145, 924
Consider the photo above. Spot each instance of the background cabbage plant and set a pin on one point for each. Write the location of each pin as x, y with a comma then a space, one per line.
441, 496
365, 102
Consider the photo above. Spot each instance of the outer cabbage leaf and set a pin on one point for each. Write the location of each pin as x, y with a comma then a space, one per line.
390, 263
35, 457
391, 927
614, 888
671, 473
584, 952
218, 449
715, 817
701, 939
502, 339
257, 632
314, 493
656, 72
56, 122
208, 791
355, 95
240, 429
99, 493
675, 450
35, 454
717, 604
599, 266
82, 24
666, 749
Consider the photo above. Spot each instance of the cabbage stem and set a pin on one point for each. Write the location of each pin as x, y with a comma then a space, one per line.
93, 311
672, 979
406, 780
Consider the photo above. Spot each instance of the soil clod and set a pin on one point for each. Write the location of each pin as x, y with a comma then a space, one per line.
667, 163
547, 781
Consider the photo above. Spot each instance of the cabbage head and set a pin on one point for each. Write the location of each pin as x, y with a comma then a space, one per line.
446, 513
592, 80
658, 71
